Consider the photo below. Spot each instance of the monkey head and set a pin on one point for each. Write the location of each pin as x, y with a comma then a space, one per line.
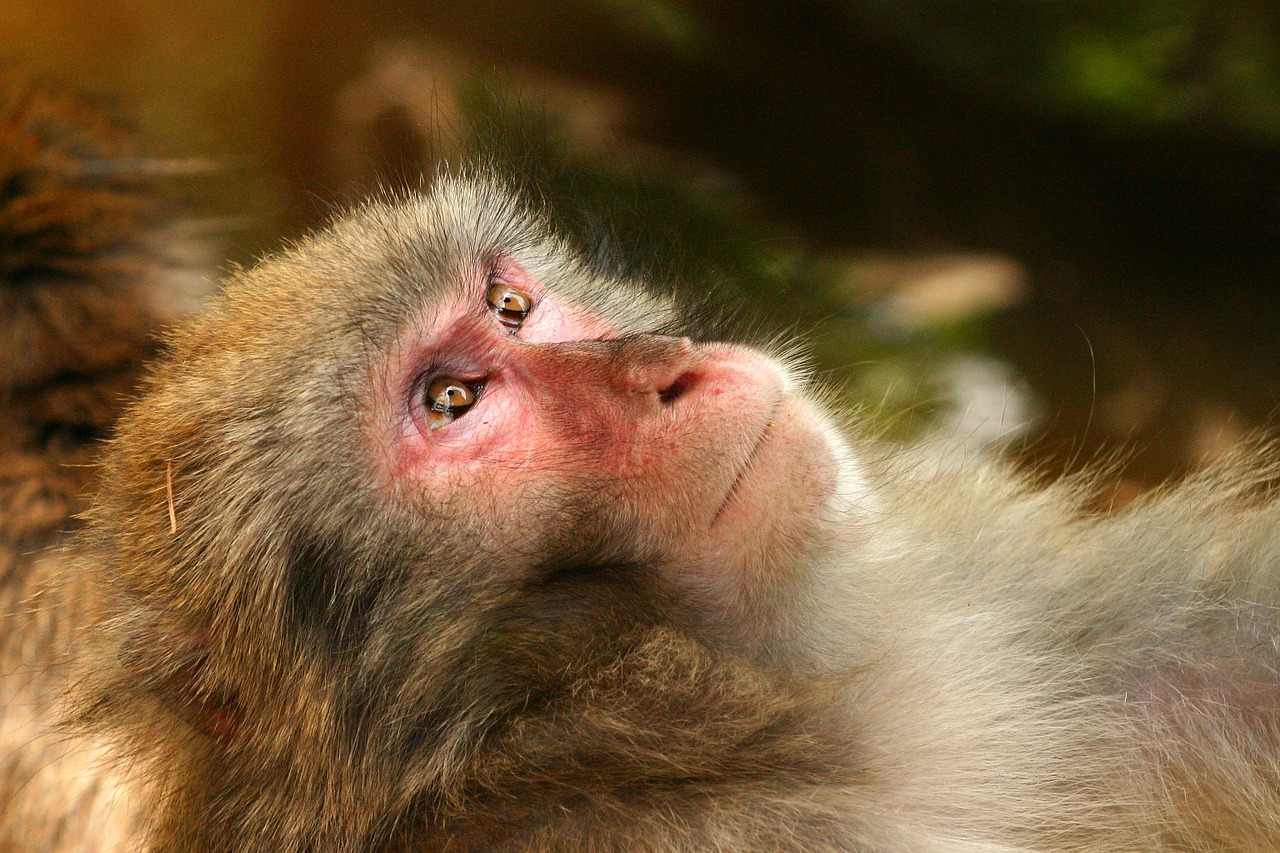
407, 477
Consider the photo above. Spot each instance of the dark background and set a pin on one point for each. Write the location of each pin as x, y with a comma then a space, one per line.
1091, 187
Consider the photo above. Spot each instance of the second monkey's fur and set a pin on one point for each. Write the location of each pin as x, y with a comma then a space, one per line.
88, 271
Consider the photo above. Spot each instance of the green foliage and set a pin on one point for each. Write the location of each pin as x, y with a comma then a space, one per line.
670, 24
1131, 62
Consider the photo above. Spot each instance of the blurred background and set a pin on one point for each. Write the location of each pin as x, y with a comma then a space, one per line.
1056, 222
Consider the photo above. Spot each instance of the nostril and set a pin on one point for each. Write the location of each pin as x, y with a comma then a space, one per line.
676, 388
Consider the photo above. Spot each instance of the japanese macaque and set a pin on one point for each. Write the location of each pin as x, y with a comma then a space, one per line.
433, 534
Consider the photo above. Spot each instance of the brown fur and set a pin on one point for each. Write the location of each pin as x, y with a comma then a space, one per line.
80, 292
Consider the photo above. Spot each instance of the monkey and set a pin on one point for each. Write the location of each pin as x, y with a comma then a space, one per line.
436, 532
673, 605
90, 266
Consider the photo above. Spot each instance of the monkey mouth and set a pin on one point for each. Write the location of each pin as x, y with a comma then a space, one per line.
745, 468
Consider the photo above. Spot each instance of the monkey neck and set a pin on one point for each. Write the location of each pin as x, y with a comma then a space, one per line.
665, 719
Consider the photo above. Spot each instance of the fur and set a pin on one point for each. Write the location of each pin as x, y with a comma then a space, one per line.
85, 278
300, 657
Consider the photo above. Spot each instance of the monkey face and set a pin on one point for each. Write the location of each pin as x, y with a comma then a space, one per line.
695, 458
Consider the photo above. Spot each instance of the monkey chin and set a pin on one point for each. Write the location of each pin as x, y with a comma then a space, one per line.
794, 492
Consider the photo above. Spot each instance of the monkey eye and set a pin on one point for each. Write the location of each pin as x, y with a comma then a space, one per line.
448, 399
511, 304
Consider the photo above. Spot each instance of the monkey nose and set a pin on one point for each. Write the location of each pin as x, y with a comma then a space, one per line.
673, 391
661, 365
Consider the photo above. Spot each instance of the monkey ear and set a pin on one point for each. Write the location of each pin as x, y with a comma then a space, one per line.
180, 681
212, 713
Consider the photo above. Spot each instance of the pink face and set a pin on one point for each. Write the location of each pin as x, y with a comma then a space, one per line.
700, 454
